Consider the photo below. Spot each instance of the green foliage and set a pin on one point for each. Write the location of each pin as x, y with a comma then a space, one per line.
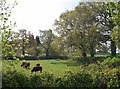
111, 62
80, 79
100, 75
58, 46
115, 12
24, 40
5, 28
78, 31
46, 38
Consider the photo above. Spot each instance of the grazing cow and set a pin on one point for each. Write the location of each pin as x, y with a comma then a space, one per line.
36, 68
25, 64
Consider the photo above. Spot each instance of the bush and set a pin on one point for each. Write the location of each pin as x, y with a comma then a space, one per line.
41, 80
111, 62
35, 81
80, 79
14, 79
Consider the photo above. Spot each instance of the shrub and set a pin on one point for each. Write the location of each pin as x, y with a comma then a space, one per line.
111, 62
80, 79
35, 81
14, 79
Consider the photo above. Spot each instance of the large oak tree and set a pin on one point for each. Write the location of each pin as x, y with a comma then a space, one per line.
79, 28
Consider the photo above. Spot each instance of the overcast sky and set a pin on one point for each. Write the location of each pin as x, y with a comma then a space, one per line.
33, 15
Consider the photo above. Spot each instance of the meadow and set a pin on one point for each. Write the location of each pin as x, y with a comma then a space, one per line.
56, 67
63, 73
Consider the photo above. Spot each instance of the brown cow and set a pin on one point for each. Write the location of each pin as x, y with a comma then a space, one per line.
36, 68
25, 64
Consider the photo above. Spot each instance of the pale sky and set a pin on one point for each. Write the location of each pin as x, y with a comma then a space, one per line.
34, 15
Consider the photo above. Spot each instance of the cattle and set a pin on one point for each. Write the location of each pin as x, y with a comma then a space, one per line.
25, 64
37, 68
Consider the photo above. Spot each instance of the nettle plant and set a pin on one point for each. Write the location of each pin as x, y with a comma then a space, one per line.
6, 28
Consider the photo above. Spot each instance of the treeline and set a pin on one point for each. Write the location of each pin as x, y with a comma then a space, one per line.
82, 31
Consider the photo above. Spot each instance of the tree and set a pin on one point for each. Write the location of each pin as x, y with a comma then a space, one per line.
75, 27
104, 15
31, 44
57, 46
38, 40
94, 38
15, 42
24, 37
31, 40
5, 28
46, 38
115, 12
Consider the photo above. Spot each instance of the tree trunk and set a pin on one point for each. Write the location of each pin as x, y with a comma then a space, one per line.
37, 53
47, 52
84, 55
23, 52
113, 48
92, 51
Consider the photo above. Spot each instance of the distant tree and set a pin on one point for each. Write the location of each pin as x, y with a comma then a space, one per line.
24, 37
15, 42
31, 44
46, 38
32, 51
39, 50
38, 40
57, 46
31, 40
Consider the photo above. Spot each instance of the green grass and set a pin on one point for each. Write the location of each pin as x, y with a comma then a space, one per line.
57, 67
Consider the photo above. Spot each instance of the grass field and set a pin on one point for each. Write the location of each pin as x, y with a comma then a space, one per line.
57, 67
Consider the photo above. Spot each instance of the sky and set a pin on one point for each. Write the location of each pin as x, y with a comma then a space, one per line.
35, 15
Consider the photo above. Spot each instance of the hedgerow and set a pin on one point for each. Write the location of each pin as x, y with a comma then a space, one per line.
101, 75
